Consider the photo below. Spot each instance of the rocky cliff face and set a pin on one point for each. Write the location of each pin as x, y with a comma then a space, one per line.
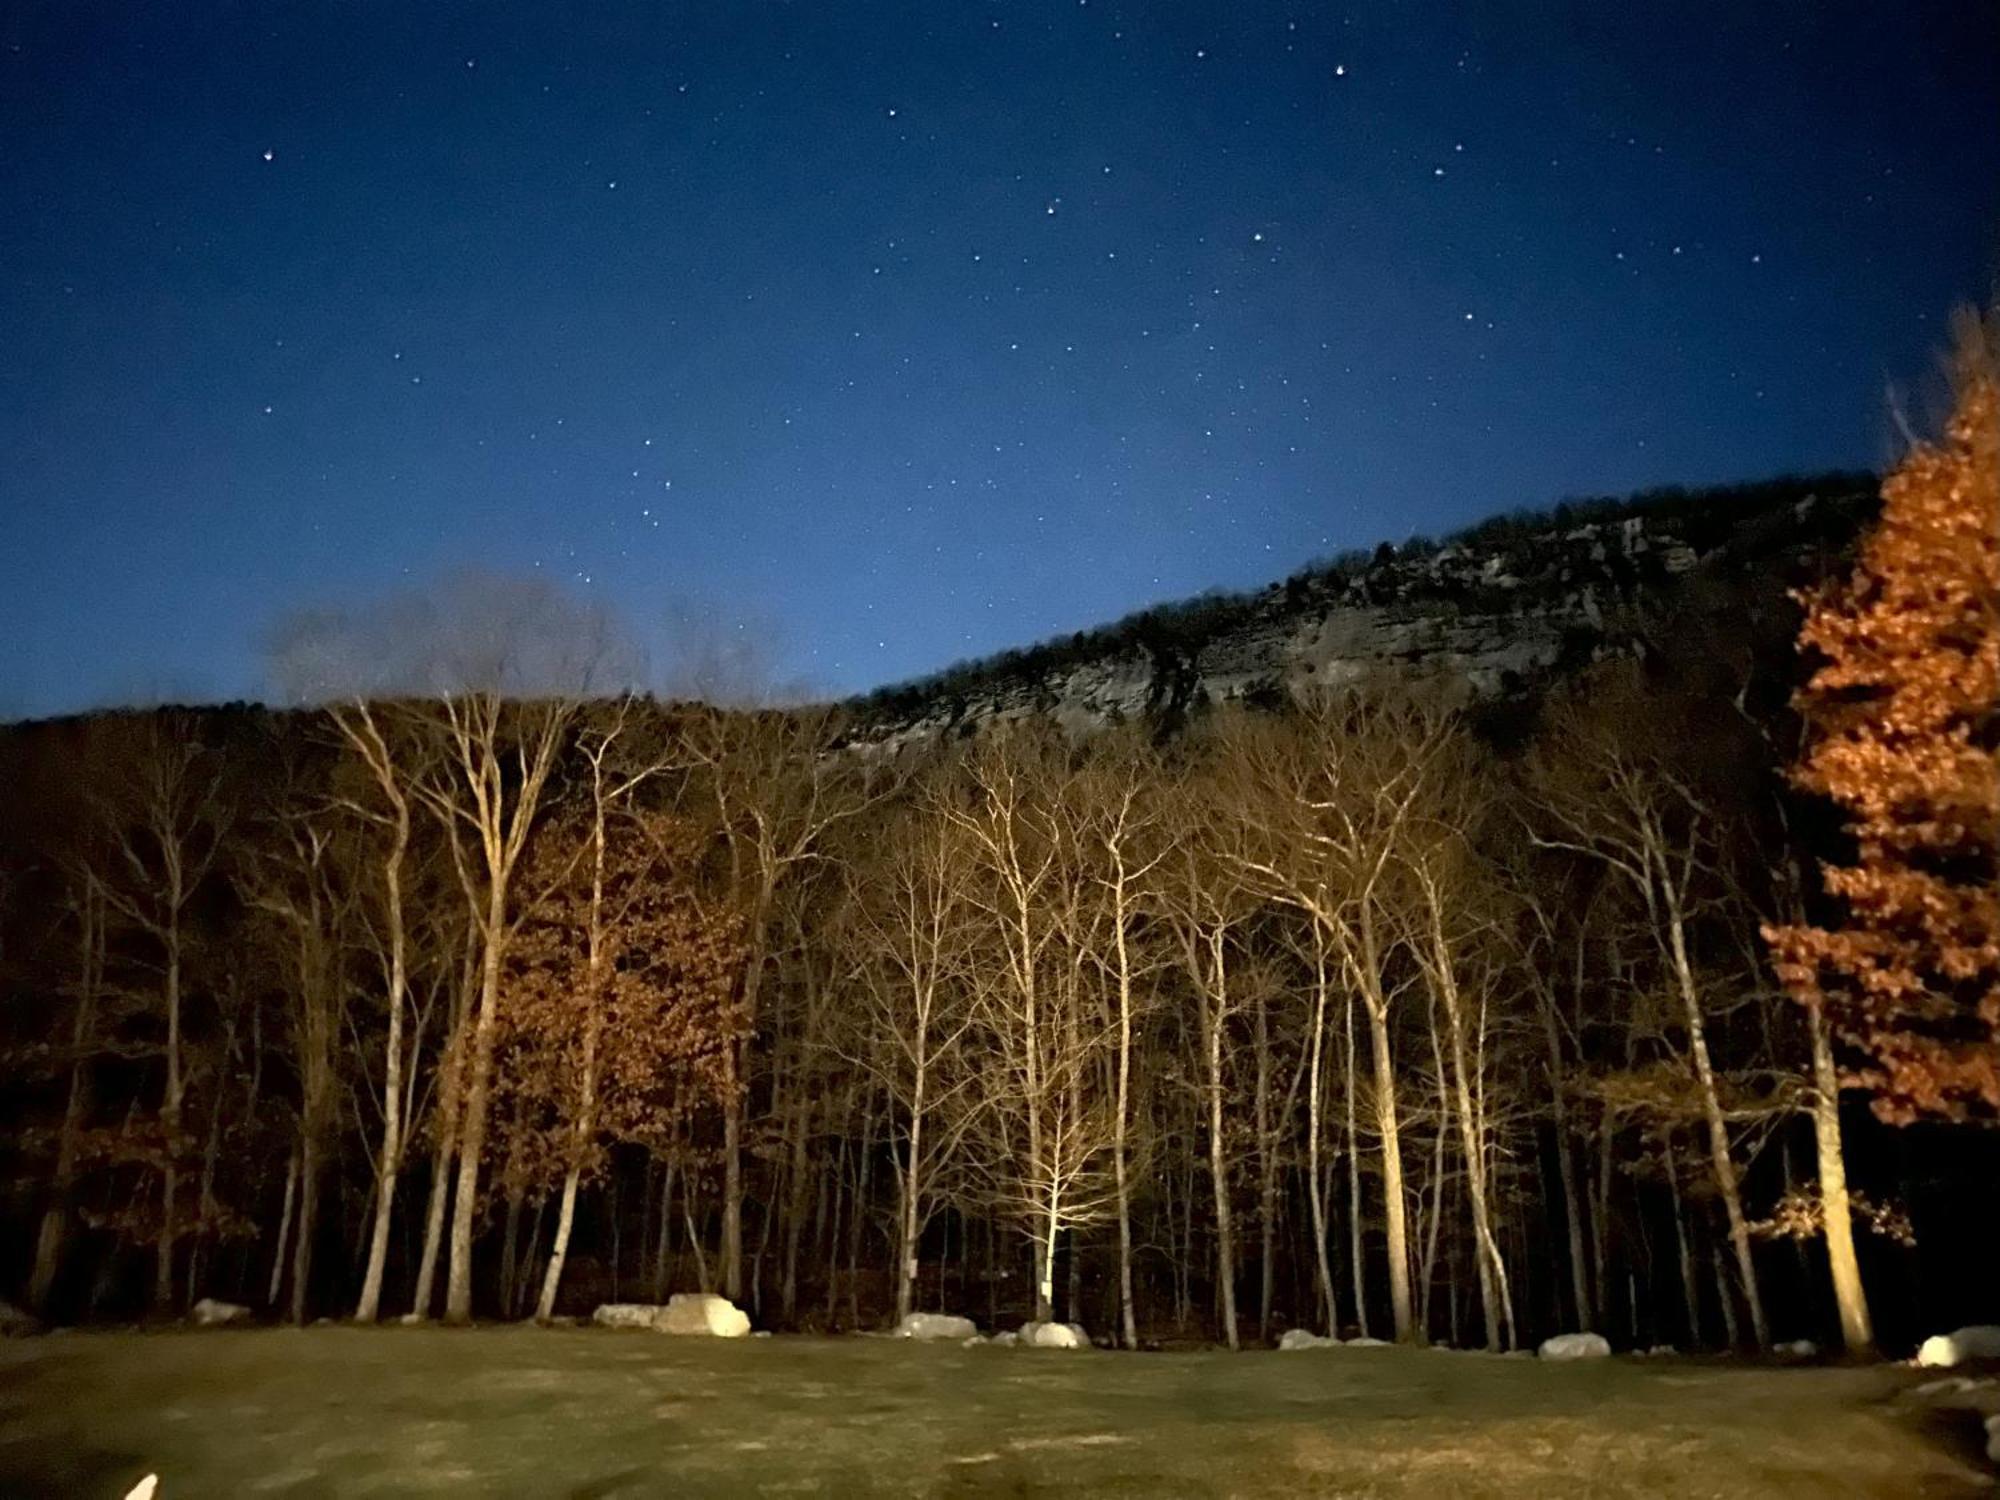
1497, 612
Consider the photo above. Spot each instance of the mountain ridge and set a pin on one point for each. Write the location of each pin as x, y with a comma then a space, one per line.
1501, 606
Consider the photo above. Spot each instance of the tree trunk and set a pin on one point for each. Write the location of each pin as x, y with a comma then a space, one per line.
1218, 1172
1856, 1329
906, 1215
510, 1244
1690, 1283
545, 1306
1579, 1274
1128, 1318
284, 1230
1267, 1175
1356, 1260
1718, 1129
472, 1132
799, 1185
1495, 1295
54, 1230
1395, 1213
302, 1246
732, 1178
389, 1159
170, 1121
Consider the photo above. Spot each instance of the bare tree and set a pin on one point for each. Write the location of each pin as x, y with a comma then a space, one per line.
907, 912
1046, 1129
610, 786
166, 832
776, 789
390, 775
296, 886
1208, 908
1631, 812
1447, 920
493, 673
1335, 795
86, 909
1123, 836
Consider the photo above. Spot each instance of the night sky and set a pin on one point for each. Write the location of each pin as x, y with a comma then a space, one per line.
899, 334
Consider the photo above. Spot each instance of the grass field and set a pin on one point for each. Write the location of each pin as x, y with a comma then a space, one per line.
528, 1412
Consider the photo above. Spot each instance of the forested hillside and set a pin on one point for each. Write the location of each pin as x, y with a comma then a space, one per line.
1408, 999
1496, 610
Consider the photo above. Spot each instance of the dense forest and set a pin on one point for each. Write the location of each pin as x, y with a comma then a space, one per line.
477, 991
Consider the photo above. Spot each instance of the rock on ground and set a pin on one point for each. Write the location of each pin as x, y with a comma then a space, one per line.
1942, 1350
629, 1315
1575, 1346
1305, 1338
704, 1312
923, 1325
1797, 1349
211, 1311
16, 1322
684, 1312
1006, 1338
1364, 1342
1993, 1437
1054, 1336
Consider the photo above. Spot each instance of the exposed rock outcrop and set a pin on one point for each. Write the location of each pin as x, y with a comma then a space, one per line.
1492, 615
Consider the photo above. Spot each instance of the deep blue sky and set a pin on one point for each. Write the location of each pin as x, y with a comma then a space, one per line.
914, 331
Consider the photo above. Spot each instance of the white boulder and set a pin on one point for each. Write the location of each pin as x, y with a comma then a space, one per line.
1006, 1338
1575, 1346
1796, 1349
1364, 1342
705, 1313
1993, 1437
925, 1326
1943, 1350
684, 1312
1305, 1338
1054, 1336
14, 1322
210, 1312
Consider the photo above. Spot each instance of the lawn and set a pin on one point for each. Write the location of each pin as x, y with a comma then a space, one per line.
530, 1412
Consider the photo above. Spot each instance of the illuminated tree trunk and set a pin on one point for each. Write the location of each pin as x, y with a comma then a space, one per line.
1315, 1130
1856, 1330
1214, 1015
1720, 1156
389, 1158
284, 1230
1395, 1212
478, 1092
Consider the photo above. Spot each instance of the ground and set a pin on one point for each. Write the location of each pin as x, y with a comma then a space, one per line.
530, 1412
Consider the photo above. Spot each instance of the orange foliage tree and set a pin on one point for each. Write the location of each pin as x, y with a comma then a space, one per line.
1902, 729
622, 1050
